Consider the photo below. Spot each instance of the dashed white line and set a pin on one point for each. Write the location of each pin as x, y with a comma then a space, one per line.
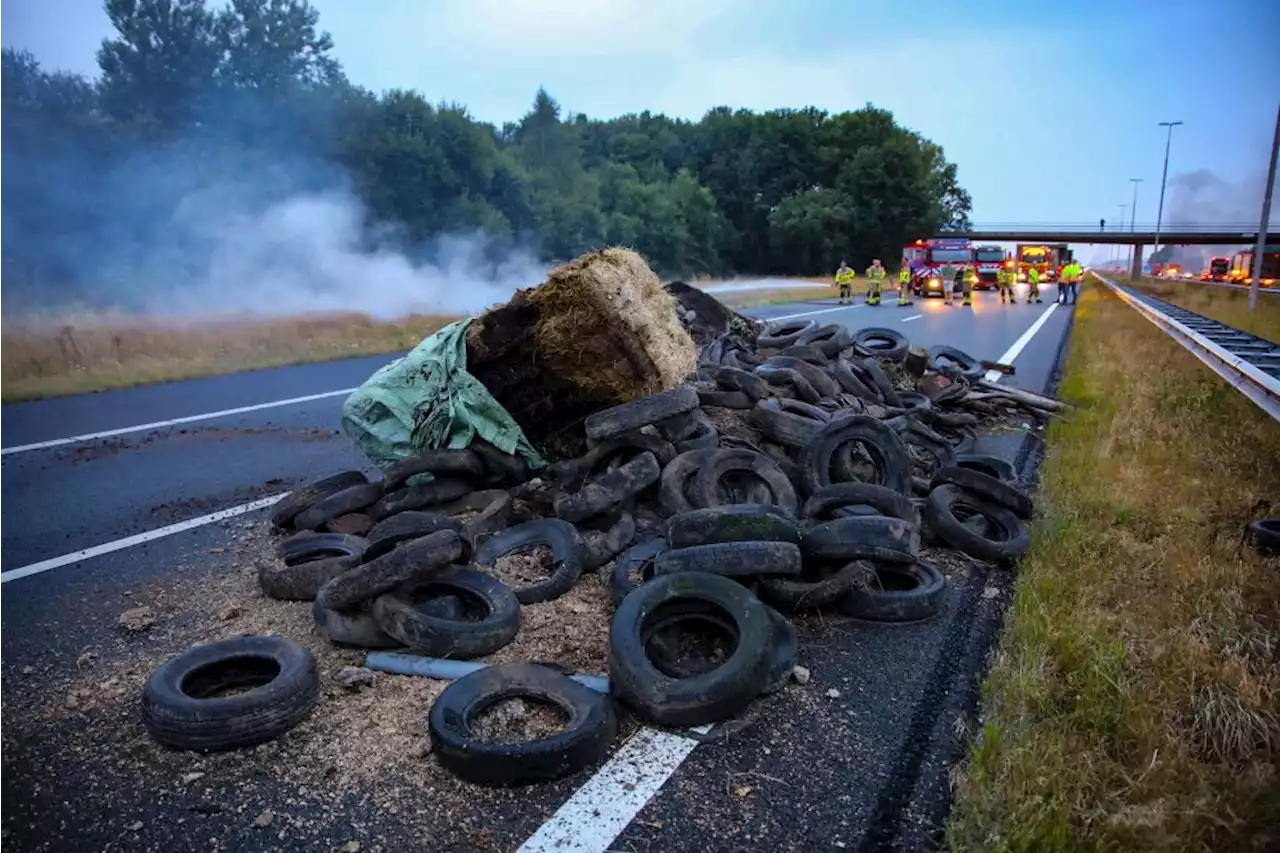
130, 541
601, 809
91, 436
810, 313
912, 317
1021, 343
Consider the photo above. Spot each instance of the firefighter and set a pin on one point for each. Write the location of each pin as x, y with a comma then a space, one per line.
904, 284
960, 278
875, 279
970, 273
844, 281
1033, 285
1006, 286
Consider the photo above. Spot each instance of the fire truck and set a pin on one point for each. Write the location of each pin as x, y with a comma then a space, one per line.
1047, 258
1219, 269
926, 258
1242, 267
988, 260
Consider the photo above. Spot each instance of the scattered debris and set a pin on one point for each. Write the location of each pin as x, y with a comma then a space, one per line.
800, 674
833, 693
264, 820
137, 619
355, 677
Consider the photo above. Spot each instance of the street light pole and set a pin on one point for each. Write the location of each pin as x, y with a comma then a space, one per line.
1260, 247
1133, 218
1163, 177
1119, 248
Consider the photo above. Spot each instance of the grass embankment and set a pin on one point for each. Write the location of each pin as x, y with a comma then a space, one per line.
1134, 701
1223, 304
51, 358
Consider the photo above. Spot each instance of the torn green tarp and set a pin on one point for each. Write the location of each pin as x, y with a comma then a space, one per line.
427, 400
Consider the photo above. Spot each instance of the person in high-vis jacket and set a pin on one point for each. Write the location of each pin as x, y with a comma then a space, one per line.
904, 284
875, 281
970, 275
1033, 285
1005, 283
1073, 283
844, 281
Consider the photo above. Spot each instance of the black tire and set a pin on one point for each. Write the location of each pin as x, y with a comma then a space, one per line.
725, 399
882, 383
915, 401
300, 500
662, 652
680, 427
865, 537
609, 490
601, 546
944, 359
842, 370
928, 457
992, 466
892, 465
584, 742
619, 420
458, 463
493, 514
814, 375
715, 695
439, 491
830, 340
181, 708
785, 428
784, 333
898, 594
805, 352
706, 438
411, 559
352, 499
308, 562
1263, 535
805, 410
566, 554
708, 482
675, 480
799, 594
405, 614
1005, 538
310, 547
504, 469
732, 559
986, 487
735, 523
785, 376
786, 648
884, 343
743, 381
823, 504
637, 559
356, 627
403, 526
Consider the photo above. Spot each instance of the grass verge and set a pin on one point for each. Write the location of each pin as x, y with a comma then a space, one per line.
1134, 699
1222, 304
51, 358
755, 298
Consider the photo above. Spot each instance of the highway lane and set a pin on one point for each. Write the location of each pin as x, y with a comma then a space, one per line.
854, 752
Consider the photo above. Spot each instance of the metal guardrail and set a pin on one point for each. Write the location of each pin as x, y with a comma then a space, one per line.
1250, 364
1117, 227
1265, 291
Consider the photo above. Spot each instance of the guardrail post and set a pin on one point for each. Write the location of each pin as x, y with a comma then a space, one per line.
1135, 271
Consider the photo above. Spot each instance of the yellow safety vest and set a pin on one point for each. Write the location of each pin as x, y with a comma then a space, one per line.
875, 273
904, 275
845, 276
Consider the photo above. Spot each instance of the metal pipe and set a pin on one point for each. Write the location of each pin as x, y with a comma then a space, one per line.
1163, 176
451, 670
1261, 245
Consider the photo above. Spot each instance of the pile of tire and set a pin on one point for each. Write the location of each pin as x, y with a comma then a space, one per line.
823, 508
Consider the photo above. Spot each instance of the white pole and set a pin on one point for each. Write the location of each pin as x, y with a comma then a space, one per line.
1261, 245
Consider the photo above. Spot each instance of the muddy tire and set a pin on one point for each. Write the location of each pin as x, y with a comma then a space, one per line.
986, 487
638, 559
732, 559
711, 696
679, 427
708, 483
829, 340
992, 466
411, 559
353, 499
661, 649
825, 504
813, 374
725, 399
944, 359
784, 333
866, 537
734, 379
853, 384
735, 523
619, 420
675, 480
888, 344
783, 427
585, 742
503, 469
566, 554
308, 562
793, 379
907, 593
355, 627
181, 707
707, 437
403, 526
404, 615
609, 490
300, 500
887, 453
492, 508
880, 379
800, 594
429, 495
1004, 539
601, 546
463, 464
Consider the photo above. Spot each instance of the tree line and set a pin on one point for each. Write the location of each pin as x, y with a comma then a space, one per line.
248, 102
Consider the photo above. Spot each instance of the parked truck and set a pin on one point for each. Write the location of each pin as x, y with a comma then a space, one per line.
1047, 258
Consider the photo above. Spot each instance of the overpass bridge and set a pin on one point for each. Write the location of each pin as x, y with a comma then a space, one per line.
1137, 236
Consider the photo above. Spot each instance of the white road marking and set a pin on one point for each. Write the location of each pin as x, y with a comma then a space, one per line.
913, 317
808, 313
130, 541
1021, 343
91, 436
605, 805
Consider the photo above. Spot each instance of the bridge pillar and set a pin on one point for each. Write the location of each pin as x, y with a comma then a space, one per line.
1135, 270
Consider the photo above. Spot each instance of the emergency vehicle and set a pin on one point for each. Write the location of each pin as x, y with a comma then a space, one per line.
1048, 259
988, 260
1217, 271
1242, 267
926, 258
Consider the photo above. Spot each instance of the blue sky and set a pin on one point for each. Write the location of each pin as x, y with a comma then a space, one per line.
1047, 108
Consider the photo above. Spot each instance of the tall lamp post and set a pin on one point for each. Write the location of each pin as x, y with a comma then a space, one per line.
1119, 248
1133, 218
1259, 248
1164, 175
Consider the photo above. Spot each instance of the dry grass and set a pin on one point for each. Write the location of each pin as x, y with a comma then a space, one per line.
1134, 701
754, 298
52, 357
1221, 303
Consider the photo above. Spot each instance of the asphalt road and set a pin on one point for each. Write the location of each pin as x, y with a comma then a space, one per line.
855, 759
